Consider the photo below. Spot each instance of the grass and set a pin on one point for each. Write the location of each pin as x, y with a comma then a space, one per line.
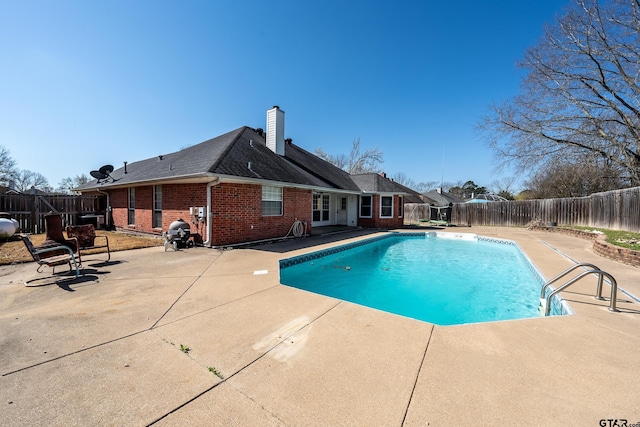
624, 239
214, 371
13, 251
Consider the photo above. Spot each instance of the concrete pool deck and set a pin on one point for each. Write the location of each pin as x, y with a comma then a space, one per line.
104, 349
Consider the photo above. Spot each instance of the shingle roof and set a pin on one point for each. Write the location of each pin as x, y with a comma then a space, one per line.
250, 147
441, 199
240, 153
376, 183
412, 195
320, 168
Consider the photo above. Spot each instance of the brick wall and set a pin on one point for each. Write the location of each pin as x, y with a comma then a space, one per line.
144, 209
237, 213
623, 255
376, 221
600, 247
119, 199
176, 201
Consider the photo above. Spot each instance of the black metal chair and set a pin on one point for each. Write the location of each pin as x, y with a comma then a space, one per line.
51, 255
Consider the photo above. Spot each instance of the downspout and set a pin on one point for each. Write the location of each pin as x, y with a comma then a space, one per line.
215, 182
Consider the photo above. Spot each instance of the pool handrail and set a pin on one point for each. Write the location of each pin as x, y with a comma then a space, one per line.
601, 274
564, 273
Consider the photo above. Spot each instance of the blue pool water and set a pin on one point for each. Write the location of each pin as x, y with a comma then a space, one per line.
441, 280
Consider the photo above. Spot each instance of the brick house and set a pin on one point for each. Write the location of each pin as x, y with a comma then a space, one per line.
246, 185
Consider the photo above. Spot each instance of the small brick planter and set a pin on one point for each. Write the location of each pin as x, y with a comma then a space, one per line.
600, 247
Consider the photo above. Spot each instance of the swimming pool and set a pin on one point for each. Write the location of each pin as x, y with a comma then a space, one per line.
441, 278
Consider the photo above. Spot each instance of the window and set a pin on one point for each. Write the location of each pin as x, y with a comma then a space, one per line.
315, 208
157, 206
271, 200
320, 208
325, 207
365, 206
131, 215
386, 207
400, 206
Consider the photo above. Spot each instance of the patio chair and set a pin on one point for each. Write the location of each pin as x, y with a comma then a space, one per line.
40, 254
54, 236
86, 238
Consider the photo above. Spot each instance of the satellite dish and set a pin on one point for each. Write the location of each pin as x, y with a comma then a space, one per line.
106, 170
103, 174
98, 175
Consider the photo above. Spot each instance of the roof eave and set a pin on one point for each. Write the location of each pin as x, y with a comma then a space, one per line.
183, 179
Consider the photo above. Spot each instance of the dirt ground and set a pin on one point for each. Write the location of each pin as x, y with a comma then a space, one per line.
13, 251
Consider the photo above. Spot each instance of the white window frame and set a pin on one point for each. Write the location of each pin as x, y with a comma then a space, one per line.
370, 207
321, 207
156, 220
131, 206
400, 206
382, 198
272, 196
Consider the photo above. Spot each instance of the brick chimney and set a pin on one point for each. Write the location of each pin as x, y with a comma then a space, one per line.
275, 130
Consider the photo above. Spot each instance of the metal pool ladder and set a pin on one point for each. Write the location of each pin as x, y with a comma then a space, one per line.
545, 302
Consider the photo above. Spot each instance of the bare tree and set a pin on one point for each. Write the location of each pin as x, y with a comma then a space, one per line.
358, 161
562, 179
403, 179
26, 179
8, 169
581, 95
425, 187
68, 184
503, 187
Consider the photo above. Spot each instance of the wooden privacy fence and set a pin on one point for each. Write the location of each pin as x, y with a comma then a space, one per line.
29, 210
614, 210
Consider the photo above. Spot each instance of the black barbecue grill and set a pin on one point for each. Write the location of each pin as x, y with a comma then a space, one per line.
177, 237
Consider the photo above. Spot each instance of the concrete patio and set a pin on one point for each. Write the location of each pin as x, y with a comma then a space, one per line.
105, 349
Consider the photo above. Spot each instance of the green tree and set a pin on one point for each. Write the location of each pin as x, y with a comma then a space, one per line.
467, 190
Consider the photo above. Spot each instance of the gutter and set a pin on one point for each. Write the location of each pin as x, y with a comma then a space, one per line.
211, 184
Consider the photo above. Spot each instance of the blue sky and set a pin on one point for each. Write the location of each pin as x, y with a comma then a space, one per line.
88, 83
